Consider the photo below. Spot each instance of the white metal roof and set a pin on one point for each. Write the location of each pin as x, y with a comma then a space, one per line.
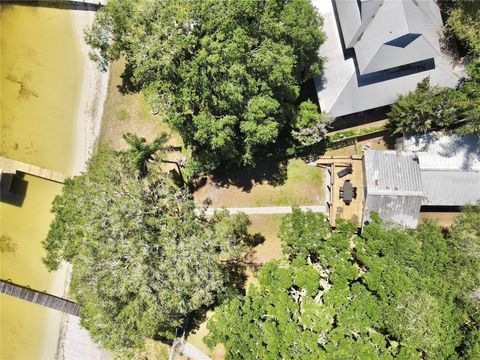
392, 173
450, 188
372, 27
437, 151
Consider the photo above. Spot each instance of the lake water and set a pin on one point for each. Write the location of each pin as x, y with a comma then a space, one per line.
41, 76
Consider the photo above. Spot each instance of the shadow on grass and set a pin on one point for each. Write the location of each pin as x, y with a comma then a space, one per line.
274, 172
128, 86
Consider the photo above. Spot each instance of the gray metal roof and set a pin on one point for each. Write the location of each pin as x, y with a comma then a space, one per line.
392, 173
343, 90
450, 188
401, 209
389, 33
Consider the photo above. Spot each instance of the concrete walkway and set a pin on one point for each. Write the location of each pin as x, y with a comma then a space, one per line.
268, 210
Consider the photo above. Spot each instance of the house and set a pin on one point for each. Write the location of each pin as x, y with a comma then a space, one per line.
378, 49
427, 170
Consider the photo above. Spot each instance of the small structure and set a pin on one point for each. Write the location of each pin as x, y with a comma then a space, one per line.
393, 186
378, 49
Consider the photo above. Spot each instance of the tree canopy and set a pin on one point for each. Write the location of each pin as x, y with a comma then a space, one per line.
143, 258
464, 20
434, 107
228, 73
389, 293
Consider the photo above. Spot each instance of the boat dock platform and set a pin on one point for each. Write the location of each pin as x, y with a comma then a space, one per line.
39, 297
10, 166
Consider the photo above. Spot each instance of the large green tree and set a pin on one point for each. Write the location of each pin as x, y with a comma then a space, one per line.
228, 73
434, 107
389, 293
464, 20
144, 259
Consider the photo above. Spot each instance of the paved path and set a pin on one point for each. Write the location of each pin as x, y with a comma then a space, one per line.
268, 210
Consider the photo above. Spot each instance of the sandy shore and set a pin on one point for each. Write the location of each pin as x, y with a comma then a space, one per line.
74, 341
92, 97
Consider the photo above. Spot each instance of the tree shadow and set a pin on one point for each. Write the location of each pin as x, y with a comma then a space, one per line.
255, 240
128, 86
236, 273
274, 172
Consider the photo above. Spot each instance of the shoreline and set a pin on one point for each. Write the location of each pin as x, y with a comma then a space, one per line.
74, 342
92, 98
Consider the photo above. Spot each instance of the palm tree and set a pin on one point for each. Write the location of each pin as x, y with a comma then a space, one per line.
142, 152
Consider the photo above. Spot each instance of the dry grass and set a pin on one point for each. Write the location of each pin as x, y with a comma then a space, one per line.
268, 226
272, 184
444, 219
129, 113
373, 124
218, 353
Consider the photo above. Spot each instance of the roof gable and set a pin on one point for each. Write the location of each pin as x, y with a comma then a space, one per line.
370, 26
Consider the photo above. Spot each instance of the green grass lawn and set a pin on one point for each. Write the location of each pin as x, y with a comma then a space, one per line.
270, 184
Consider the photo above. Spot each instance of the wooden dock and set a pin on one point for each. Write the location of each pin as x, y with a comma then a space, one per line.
12, 166
39, 297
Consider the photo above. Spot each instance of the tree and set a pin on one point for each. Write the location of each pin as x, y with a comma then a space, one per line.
144, 260
428, 107
464, 21
433, 107
141, 152
227, 73
389, 293
310, 125
471, 89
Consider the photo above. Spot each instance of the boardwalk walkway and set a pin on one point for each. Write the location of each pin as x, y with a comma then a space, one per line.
12, 166
268, 210
39, 297
61, 4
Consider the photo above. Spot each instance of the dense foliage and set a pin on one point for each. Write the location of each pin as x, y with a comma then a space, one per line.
464, 20
390, 293
143, 258
433, 107
228, 72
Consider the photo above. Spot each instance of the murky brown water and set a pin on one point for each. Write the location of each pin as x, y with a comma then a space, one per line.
40, 86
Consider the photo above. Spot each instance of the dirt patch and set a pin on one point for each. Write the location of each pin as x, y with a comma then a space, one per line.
267, 226
444, 219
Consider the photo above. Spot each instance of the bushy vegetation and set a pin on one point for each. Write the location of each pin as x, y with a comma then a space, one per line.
227, 73
464, 20
433, 107
389, 293
144, 260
